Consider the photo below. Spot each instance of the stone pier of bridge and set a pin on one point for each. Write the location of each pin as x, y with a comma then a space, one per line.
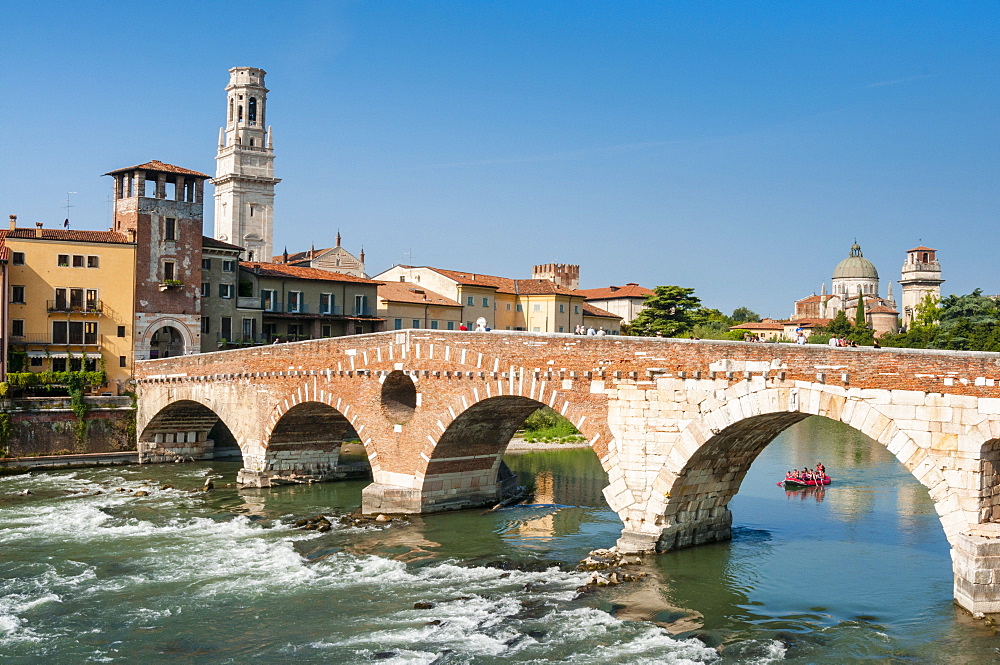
676, 424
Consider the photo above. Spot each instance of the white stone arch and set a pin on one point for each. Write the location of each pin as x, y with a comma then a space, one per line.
182, 326
675, 507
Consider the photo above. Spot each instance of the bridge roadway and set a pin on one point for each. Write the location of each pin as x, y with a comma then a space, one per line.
675, 423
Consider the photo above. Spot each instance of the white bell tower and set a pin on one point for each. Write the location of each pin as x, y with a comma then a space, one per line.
244, 172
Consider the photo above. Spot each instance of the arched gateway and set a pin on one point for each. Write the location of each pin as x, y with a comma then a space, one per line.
675, 423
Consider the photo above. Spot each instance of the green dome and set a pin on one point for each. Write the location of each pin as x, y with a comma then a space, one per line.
855, 266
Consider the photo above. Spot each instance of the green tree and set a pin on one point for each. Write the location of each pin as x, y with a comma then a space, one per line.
744, 315
671, 311
840, 326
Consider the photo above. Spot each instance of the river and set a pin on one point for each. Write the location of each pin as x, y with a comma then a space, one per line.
92, 572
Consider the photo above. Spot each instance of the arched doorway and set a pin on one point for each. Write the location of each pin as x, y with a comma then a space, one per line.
166, 342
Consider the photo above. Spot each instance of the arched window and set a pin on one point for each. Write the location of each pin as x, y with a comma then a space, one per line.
239, 113
925, 258
252, 111
230, 110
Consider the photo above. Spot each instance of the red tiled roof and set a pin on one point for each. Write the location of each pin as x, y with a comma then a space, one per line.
630, 290
160, 167
73, 235
536, 287
882, 309
299, 272
411, 293
4, 251
759, 325
808, 323
501, 284
921, 249
217, 244
591, 310
814, 298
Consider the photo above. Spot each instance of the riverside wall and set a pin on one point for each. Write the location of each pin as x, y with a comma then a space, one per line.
47, 426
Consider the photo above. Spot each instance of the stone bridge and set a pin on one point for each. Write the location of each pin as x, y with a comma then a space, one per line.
675, 423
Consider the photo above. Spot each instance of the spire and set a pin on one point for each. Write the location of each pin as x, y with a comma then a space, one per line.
338, 237
284, 256
888, 296
312, 251
222, 138
270, 138
822, 289
362, 257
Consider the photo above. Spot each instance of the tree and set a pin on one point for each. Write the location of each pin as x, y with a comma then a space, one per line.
670, 311
744, 315
840, 326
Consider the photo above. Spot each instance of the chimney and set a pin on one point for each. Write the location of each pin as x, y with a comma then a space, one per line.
38, 229
131, 235
13, 222
256, 268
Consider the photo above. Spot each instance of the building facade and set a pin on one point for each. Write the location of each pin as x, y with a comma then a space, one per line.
244, 174
624, 301
404, 305
334, 259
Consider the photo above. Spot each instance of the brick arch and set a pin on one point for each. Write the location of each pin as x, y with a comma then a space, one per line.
690, 498
358, 419
180, 428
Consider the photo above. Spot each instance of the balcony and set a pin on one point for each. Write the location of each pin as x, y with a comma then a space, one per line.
363, 311
69, 307
49, 340
249, 302
330, 311
171, 284
300, 308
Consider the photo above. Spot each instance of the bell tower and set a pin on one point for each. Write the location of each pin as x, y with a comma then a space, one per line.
244, 172
921, 275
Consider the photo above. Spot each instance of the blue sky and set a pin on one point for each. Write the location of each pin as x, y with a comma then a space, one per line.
736, 148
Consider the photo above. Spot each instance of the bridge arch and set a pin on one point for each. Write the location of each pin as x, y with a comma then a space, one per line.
180, 429
688, 504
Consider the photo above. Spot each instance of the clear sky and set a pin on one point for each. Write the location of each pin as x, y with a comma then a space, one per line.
736, 148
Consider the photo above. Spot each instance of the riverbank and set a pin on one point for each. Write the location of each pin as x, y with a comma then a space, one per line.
518, 445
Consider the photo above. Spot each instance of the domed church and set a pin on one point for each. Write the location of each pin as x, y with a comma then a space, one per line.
853, 277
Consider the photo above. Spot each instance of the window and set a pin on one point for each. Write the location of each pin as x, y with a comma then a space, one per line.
17, 294
228, 266
17, 328
508, 307
536, 308
270, 330
359, 330
327, 330
434, 325
486, 302
416, 323
520, 307
122, 361
58, 364
76, 332
227, 328
225, 290
397, 324
90, 332
205, 324
326, 303
121, 331
17, 258
470, 301
59, 332
361, 306
206, 289
63, 260
269, 300
296, 330
76, 299
93, 261
294, 301
36, 361
402, 278
576, 309
91, 300
562, 309
169, 270
560, 329
77, 261
451, 325
206, 264
170, 229
249, 328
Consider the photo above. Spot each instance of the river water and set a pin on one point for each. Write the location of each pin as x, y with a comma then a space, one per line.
856, 574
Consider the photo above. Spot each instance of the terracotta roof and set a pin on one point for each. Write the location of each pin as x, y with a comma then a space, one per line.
299, 272
759, 325
882, 309
74, 235
535, 287
217, 244
808, 323
591, 310
4, 251
409, 292
921, 249
501, 284
815, 298
160, 167
630, 290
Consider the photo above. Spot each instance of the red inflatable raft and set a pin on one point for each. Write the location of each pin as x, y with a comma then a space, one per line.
791, 482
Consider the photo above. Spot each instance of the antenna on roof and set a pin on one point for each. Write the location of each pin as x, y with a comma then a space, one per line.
68, 206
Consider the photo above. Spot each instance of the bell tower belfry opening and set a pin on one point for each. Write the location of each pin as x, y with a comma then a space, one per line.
244, 174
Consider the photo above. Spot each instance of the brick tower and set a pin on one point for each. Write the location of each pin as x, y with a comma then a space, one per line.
566, 275
160, 207
244, 174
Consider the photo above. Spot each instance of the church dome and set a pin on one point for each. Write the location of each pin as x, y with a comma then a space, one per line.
855, 266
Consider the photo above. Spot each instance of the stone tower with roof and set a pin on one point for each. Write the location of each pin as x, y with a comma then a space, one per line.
921, 275
160, 208
244, 174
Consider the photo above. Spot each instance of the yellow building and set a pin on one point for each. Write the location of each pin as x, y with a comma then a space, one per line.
405, 305
71, 295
